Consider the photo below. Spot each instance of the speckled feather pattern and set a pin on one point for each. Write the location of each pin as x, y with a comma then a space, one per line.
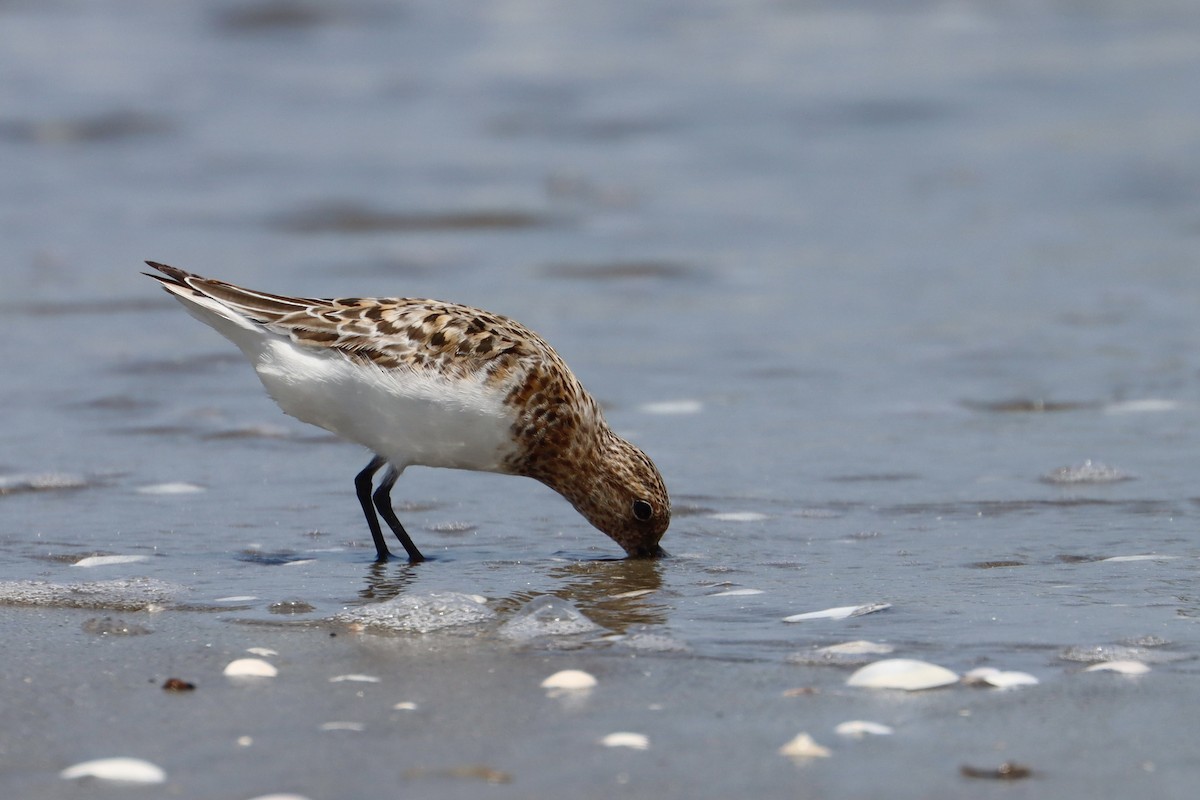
555, 429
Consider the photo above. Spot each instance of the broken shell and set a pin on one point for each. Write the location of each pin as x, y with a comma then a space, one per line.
861, 728
108, 561
841, 612
1122, 667
128, 770
902, 673
803, 746
990, 676
635, 741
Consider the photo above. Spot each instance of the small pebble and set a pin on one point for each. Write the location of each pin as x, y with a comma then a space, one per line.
1008, 771
265, 652
126, 770
405, 706
178, 685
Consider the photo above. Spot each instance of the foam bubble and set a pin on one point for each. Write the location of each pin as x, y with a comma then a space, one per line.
420, 613
1087, 472
127, 594
47, 482
547, 616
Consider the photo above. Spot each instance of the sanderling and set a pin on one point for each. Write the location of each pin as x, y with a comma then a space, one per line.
422, 382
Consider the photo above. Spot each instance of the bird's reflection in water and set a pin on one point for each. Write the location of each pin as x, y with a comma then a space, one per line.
387, 580
615, 594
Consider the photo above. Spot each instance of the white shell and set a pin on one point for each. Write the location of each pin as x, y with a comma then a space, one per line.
841, 612
861, 728
170, 488
405, 705
635, 741
1123, 667
354, 678
737, 593
129, 770
250, 668
999, 679
265, 652
859, 647
107, 561
569, 679
803, 746
902, 673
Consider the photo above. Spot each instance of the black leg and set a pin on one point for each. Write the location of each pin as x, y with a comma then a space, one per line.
362, 485
383, 502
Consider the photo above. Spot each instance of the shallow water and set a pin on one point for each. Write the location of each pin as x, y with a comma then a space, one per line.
862, 281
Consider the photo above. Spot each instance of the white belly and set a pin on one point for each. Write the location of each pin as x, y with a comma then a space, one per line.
408, 417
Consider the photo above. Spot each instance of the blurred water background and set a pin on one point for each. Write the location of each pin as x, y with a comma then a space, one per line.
901, 297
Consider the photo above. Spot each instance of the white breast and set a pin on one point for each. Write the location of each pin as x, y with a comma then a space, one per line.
409, 417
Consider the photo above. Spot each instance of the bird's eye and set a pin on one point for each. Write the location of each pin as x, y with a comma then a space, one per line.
642, 510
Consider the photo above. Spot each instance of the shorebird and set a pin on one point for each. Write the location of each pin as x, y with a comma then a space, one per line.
429, 383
